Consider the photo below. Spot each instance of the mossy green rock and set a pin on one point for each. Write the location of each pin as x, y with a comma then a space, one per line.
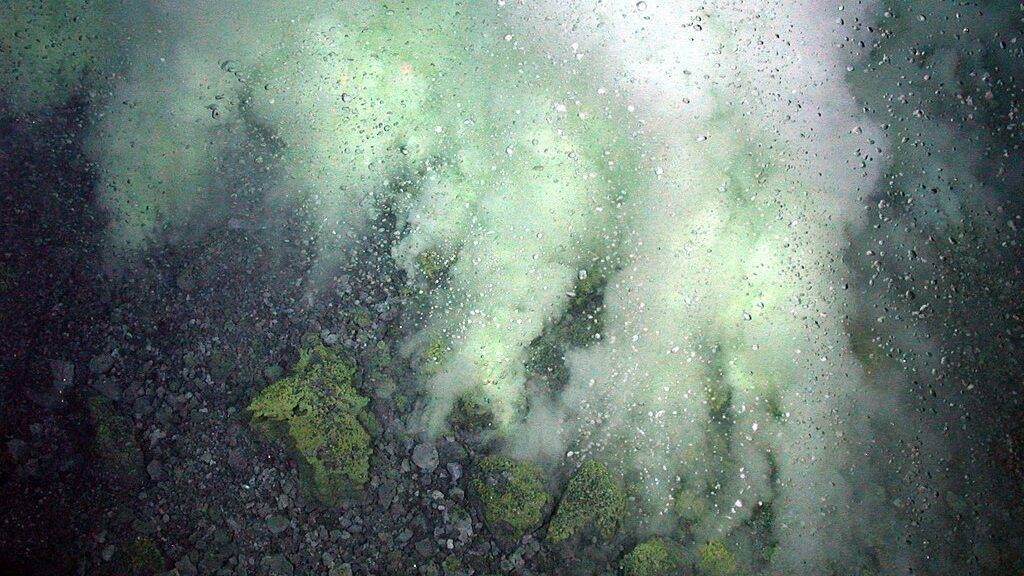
114, 444
512, 495
592, 498
717, 560
655, 557
318, 409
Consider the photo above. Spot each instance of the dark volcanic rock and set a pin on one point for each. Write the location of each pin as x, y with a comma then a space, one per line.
425, 456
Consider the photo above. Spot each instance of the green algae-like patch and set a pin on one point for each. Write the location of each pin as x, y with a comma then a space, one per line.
717, 560
654, 557
512, 496
318, 410
592, 499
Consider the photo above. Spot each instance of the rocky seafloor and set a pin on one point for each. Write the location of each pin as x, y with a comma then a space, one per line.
127, 446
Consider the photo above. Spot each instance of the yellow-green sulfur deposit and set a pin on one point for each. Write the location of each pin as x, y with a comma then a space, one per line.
592, 498
512, 495
319, 411
717, 560
655, 557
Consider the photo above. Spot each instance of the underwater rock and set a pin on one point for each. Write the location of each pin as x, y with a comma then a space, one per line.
277, 523
592, 498
512, 496
454, 470
717, 560
340, 570
155, 470
143, 558
318, 410
277, 565
654, 557
101, 364
185, 567
425, 457
114, 443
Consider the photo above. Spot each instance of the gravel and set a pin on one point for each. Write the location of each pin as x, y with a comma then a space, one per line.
277, 523
179, 347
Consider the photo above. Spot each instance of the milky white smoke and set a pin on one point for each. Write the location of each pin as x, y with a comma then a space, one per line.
706, 168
